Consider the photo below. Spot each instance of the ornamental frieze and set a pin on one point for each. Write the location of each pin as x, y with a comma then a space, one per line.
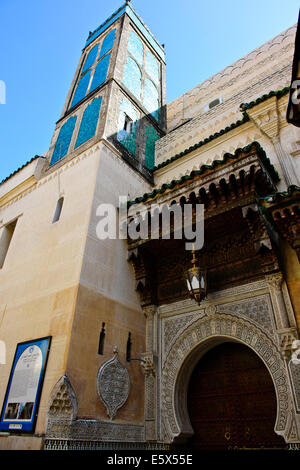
257, 309
177, 366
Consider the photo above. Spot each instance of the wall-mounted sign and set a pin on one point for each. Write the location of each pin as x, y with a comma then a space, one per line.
21, 402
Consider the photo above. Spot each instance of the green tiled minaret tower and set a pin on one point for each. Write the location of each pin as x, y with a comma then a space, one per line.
117, 93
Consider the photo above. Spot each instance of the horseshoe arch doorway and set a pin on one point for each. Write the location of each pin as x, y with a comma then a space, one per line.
232, 401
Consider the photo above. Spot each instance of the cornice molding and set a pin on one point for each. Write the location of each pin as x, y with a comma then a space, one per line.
18, 191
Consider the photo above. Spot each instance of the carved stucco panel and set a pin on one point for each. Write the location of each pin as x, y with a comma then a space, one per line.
195, 336
113, 385
257, 309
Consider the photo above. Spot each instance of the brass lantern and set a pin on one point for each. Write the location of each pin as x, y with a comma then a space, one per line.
196, 279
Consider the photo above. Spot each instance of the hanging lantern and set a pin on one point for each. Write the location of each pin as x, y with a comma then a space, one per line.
196, 279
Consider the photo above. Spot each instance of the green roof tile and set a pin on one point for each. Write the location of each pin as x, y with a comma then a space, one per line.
277, 93
227, 156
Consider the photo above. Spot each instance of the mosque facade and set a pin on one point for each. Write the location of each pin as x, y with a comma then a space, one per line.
103, 344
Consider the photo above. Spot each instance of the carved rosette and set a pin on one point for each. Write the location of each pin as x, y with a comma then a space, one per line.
211, 309
113, 385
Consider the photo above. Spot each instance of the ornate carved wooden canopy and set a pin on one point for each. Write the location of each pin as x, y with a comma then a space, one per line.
237, 245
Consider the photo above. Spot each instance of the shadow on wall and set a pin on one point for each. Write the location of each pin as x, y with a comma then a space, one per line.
136, 138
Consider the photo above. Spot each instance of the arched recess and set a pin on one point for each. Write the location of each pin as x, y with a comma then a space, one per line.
188, 349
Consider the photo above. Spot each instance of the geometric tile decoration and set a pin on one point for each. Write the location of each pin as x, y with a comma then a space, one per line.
136, 48
151, 102
107, 43
90, 59
89, 122
152, 67
151, 137
63, 140
136, 20
100, 72
81, 88
133, 78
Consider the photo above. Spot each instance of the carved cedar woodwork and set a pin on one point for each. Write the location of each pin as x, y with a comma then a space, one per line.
282, 211
237, 244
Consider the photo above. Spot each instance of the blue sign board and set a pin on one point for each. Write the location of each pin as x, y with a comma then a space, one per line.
21, 402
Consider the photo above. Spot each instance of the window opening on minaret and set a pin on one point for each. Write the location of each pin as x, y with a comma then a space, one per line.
128, 124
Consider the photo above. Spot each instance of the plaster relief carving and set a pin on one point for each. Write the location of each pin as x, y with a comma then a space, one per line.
113, 385
185, 351
210, 310
62, 408
63, 401
295, 375
148, 364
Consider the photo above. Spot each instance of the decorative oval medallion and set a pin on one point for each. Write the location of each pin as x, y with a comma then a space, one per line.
113, 384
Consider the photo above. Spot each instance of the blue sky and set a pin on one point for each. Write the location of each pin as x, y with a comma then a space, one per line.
42, 41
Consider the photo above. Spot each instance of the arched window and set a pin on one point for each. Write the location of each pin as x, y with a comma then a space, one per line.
63, 140
100, 72
136, 48
133, 77
90, 59
89, 121
151, 101
81, 88
108, 43
152, 67
58, 210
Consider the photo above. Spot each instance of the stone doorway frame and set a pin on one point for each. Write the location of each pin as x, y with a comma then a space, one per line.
188, 349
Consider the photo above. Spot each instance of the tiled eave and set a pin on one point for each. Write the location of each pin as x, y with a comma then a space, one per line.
278, 94
241, 160
245, 118
203, 142
19, 169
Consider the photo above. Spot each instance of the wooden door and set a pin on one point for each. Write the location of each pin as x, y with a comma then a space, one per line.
232, 401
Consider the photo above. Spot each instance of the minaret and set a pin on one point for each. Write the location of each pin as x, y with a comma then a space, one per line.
118, 93
103, 148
